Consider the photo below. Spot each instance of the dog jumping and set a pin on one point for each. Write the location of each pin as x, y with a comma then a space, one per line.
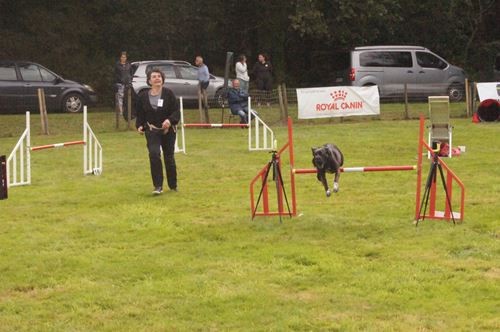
328, 158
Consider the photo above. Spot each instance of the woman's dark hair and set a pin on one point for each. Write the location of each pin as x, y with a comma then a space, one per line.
241, 57
155, 70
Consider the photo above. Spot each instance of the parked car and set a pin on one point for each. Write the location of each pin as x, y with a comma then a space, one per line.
180, 76
20, 81
390, 67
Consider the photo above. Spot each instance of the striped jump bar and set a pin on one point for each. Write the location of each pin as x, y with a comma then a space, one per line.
360, 169
216, 125
56, 145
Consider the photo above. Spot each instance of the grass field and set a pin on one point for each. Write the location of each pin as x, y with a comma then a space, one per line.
101, 253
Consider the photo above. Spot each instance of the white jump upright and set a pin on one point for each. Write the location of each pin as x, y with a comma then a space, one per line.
260, 136
180, 145
92, 149
19, 161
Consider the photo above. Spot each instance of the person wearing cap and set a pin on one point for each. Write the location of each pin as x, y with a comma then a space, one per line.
157, 116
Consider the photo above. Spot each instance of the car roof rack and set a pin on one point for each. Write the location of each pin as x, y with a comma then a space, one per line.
389, 47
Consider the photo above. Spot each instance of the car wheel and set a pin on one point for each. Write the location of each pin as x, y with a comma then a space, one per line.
456, 92
220, 99
73, 103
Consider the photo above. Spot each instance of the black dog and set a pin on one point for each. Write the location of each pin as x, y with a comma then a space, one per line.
328, 158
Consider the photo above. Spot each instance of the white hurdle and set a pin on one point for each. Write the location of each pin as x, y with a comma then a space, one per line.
258, 130
19, 173
260, 136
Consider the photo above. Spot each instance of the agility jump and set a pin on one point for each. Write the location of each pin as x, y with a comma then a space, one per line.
19, 161
260, 136
447, 214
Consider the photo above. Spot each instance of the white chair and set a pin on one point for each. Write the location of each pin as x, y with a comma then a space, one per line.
440, 129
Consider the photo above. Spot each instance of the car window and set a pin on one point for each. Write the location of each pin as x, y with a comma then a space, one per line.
371, 59
398, 59
30, 72
428, 60
133, 67
385, 59
188, 72
167, 69
47, 76
8, 73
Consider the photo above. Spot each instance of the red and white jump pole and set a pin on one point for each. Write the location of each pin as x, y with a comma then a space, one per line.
215, 125
433, 214
56, 145
360, 169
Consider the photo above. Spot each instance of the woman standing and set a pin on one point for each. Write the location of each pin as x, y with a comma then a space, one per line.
262, 70
157, 115
242, 73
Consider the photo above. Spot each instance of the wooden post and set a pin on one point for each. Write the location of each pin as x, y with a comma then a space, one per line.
467, 97
473, 101
117, 111
285, 103
129, 107
200, 106
43, 112
407, 116
282, 105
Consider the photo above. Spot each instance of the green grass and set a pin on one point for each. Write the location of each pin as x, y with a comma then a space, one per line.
100, 253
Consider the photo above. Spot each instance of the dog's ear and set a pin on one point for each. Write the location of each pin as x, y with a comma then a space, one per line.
313, 150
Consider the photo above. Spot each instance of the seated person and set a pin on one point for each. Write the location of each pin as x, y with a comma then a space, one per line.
238, 101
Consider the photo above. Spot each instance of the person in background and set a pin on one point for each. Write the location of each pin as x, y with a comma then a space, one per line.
238, 101
262, 71
203, 80
242, 73
157, 116
123, 79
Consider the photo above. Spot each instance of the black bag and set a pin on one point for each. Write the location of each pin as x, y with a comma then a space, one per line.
3, 177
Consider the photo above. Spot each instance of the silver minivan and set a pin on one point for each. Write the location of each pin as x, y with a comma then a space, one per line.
391, 67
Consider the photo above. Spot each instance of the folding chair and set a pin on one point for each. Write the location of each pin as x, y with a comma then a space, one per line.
440, 129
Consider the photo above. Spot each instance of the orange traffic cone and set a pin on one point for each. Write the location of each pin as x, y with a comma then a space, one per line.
475, 118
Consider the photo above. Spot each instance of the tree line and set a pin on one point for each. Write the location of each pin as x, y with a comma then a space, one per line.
81, 40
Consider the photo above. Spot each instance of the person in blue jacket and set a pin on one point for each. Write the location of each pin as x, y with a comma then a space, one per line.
238, 101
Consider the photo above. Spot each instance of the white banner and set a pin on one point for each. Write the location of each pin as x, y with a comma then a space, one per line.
338, 101
488, 91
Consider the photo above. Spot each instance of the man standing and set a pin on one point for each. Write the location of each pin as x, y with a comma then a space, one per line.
203, 80
122, 80
157, 115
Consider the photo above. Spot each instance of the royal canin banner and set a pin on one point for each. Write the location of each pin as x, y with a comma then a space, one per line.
489, 90
338, 101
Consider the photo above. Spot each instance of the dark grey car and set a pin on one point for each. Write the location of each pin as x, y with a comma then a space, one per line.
20, 81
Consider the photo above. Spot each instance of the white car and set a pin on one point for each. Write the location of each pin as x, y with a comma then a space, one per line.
181, 77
